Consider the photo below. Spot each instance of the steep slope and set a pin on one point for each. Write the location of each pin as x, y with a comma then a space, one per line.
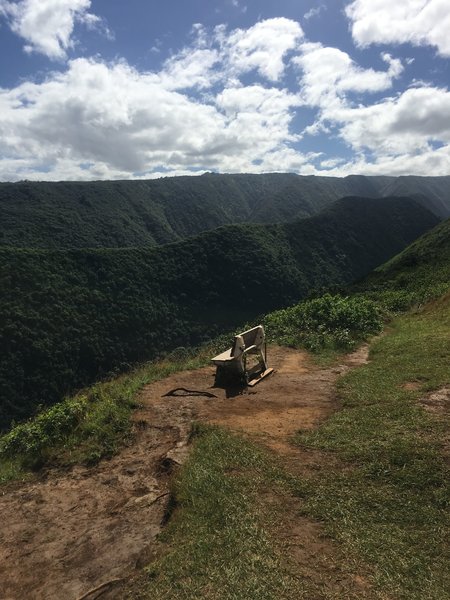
115, 214
424, 265
68, 317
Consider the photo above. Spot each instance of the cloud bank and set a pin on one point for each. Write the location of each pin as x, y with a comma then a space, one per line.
223, 103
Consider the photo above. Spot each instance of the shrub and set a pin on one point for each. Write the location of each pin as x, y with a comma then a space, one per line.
335, 322
46, 429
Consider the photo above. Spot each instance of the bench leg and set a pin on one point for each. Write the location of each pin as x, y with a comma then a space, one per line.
227, 377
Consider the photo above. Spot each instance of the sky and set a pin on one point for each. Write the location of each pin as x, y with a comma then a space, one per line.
111, 89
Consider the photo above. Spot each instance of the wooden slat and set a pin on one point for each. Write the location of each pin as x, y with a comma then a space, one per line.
266, 373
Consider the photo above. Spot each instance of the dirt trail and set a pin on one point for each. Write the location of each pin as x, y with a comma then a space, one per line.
68, 532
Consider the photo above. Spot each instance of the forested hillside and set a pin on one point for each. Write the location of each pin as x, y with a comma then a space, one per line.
69, 317
110, 214
425, 264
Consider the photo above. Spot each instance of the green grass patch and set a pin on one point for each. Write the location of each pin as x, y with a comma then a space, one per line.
219, 540
391, 506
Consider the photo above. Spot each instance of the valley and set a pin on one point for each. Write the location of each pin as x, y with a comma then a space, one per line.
69, 317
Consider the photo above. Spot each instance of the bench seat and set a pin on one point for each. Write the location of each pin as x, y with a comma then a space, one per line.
224, 357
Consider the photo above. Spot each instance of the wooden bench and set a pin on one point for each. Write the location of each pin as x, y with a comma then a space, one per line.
232, 364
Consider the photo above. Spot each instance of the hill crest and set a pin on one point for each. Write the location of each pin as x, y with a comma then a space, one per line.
115, 214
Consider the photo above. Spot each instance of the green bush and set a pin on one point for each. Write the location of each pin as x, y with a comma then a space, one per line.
334, 322
46, 429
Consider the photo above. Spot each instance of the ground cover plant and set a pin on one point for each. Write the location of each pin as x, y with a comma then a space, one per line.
220, 545
389, 506
223, 539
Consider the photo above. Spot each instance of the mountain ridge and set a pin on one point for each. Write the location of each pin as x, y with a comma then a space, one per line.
156, 212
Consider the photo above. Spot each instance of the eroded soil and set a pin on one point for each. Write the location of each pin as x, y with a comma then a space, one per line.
69, 532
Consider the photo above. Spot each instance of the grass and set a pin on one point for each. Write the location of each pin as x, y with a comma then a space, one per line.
390, 507
223, 540
220, 545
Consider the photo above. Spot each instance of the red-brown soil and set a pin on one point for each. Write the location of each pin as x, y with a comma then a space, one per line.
68, 532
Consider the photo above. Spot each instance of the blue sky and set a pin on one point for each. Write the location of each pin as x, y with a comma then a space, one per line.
106, 89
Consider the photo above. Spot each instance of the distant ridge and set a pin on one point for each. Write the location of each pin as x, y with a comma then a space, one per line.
68, 317
119, 214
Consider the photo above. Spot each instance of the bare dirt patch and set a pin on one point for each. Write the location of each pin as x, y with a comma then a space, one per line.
68, 532
411, 386
438, 402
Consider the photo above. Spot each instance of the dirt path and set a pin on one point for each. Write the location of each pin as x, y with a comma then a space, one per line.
71, 531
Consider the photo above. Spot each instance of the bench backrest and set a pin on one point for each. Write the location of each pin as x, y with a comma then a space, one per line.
251, 337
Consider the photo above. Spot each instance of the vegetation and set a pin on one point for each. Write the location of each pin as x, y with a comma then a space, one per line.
385, 502
384, 496
71, 317
222, 546
223, 539
389, 504
327, 322
95, 422
418, 274
107, 214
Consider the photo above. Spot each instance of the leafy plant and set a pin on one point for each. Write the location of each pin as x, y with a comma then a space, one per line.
335, 322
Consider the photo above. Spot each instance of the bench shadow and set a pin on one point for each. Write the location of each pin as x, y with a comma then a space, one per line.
232, 390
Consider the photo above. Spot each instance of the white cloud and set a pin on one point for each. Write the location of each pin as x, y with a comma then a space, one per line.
108, 114
260, 114
261, 47
404, 134
395, 135
124, 122
408, 123
430, 162
47, 25
224, 56
331, 163
314, 12
328, 75
419, 22
191, 68
113, 120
